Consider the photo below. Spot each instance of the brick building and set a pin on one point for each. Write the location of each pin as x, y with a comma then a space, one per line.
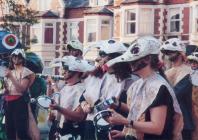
124, 20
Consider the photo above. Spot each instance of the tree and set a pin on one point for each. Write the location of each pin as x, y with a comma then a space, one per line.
18, 20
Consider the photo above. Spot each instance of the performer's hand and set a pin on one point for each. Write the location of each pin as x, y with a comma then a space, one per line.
51, 116
86, 107
117, 119
116, 103
54, 106
115, 134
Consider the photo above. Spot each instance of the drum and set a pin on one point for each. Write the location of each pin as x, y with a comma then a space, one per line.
44, 101
100, 123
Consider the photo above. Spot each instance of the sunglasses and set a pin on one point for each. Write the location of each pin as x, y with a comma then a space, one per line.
167, 52
65, 67
102, 54
192, 61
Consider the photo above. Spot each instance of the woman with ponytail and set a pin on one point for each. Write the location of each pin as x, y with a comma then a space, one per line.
151, 101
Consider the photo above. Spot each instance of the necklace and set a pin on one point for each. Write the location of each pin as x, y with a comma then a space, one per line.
18, 76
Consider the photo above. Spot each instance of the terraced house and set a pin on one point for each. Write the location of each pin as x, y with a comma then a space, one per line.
124, 20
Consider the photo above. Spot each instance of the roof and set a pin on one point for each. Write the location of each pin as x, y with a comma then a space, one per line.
99, 10
76, 3
48, 14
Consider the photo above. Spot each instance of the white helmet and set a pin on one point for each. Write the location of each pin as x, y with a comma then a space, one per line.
193, 56
73, 64
140, 48
173, 44
76, 44
112, 46
19, 51
108, 47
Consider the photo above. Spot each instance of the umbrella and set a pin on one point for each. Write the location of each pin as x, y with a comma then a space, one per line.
34, 62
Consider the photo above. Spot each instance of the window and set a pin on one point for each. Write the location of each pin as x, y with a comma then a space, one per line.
102, 2
91, 30
196, 19
105, 29
5, 8
36, 34
73, 31
130, 22
99, 2
48, 33
146, 23
174, 20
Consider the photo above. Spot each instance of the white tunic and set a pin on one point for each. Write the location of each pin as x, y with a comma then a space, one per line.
142, 93
110, 87
104, 88
92, 86
69, 98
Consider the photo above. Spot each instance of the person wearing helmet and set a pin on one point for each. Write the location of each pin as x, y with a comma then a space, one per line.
107, 50
151, 100
18, 116
193, 61
75, 48
175, 50
178, 76
69, 108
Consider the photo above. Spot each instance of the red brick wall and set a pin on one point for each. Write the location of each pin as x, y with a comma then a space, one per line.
74, 13
57, 32
156, 21
81, 31
185, 20
176, 1
165, 21
65, 33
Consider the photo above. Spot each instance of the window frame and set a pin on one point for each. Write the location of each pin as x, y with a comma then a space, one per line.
53, 30
148, 22
95, 25
126, 22
196, 19
98, 2
72, 25
38, 34
105, 25
174, 20
98, 27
